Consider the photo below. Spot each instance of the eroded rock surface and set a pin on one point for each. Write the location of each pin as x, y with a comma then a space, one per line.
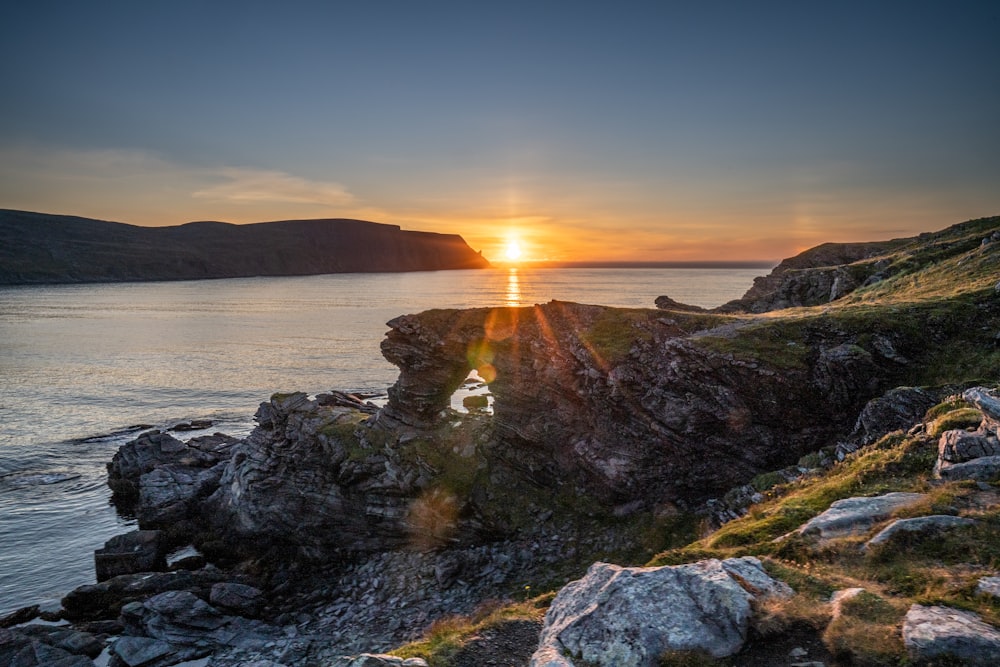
931, 633
856, 516
628, 617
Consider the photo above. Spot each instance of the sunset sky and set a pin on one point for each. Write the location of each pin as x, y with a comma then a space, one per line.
700, 130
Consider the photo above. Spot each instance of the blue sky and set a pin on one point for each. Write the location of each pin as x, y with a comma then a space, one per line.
628, 130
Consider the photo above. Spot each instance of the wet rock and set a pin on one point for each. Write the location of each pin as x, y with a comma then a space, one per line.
855, 516
136, 551
20, 650
144, 454
105, 599
171, 492
630, 616
934, 633
18, 616
65, 638
922, 526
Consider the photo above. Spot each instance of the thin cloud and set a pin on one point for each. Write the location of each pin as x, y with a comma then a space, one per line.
254, 186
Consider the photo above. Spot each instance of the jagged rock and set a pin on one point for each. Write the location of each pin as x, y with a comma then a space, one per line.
304, 481
136, 551
171, 492
146, 453
983, 469
629, 616
924, 524
191, 626
145, 652
931, 633
855, 516
19, 650
105, 599
239, 598
65, 638
898, 408
959, 446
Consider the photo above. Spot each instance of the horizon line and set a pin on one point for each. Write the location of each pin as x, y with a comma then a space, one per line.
639, 264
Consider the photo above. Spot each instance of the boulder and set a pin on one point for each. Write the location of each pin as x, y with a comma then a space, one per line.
856, 516
146, 652
628, 616
988, 403
983, 469
146, 453
65, 638
137, 551
932, 633
923, 525
959, 446
989, 586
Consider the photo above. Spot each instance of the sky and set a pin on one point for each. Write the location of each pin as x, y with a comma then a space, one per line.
653, 131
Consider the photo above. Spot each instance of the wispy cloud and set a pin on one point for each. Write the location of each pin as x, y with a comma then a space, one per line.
254, 186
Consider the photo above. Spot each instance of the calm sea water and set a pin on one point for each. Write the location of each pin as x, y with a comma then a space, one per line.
83, 366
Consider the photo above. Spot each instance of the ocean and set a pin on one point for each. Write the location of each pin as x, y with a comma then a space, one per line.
85, 368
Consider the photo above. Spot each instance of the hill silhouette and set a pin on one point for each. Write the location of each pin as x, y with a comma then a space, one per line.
42, 248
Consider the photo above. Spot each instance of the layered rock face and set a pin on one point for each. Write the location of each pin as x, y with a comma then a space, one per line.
626, 407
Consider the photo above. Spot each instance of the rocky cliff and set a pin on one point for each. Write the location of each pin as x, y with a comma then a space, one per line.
41, 248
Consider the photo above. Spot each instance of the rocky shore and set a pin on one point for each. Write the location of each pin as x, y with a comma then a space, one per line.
338, 531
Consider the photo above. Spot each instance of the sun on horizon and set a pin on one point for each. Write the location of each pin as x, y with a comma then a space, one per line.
513, 251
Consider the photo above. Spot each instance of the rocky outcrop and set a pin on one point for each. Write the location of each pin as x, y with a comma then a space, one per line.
974, 455
941, 633
41, 248
856, 516
628, 407
136, 551
628, 617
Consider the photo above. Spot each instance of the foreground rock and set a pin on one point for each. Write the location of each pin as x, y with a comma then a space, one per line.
625, 617
934, 633
923, 526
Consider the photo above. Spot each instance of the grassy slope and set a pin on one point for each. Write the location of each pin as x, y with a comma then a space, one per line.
941, 292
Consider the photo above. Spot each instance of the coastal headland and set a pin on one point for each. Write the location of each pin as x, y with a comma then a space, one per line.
40, 248
805, 475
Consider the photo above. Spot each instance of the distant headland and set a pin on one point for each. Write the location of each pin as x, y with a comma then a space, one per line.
39, 248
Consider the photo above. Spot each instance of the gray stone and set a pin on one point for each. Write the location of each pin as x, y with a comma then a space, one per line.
986, 400
899, 408
142, 651
941, 632
989, 586
168, 493
924, 524
628, 616
240, 598
855, 516
19, 650
384, 660
137, 551
959, 446
984, 469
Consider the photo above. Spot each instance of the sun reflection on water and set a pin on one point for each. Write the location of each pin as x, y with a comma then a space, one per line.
513, 288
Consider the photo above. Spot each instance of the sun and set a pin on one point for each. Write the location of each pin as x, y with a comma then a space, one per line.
513, 252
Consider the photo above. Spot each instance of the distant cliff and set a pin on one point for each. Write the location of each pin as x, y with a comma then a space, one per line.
42, 248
